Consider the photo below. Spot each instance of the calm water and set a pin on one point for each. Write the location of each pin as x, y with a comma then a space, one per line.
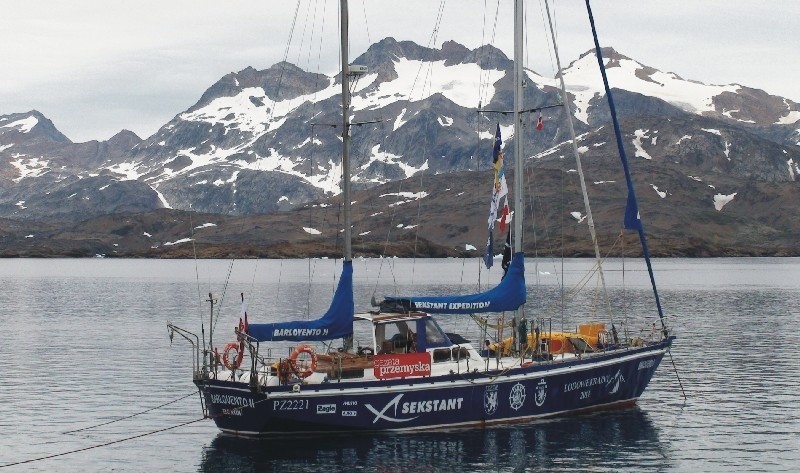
85, 342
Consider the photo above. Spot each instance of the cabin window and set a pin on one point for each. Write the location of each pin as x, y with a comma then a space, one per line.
460, 353
441, 354
395, 337
433, 334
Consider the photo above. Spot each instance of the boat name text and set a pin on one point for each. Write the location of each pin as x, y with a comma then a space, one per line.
586, 383
432, 406
238, 401
299, 332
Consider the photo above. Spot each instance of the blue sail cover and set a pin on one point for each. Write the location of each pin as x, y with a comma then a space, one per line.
336, 323
506, 296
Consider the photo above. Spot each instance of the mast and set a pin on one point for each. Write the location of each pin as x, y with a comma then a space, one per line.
519, 81
519, 203
348, 252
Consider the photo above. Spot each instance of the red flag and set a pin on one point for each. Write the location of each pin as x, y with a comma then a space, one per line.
503, 218
540, 123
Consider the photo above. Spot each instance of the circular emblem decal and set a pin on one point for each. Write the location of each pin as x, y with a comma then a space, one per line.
541, 392
517, 396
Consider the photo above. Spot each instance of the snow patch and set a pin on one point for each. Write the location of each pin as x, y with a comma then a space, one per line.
457, 82
398, 122
720, 200
128, 171
690, 96
637, 143
177, 242
684, 137
788, 119
445, 121
662, 194
161, 199
713, 131
394, 160
24, 125
311, 231
469, 247
31, 167
578, 216
205, 225
407, 196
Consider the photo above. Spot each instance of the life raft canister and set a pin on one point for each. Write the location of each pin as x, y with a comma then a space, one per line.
311, 366
233, 363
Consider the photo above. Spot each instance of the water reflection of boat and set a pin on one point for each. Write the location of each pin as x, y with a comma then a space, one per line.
622, 440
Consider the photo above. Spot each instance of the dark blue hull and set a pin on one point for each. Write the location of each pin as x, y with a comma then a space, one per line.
469, 399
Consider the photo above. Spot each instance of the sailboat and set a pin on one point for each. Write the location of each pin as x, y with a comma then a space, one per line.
414, 375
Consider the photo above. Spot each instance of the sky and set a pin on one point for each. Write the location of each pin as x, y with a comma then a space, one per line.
95, 67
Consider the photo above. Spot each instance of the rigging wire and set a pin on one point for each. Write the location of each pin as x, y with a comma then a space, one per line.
130, 416
113, 442
197, 278
427, 85
409, 96
582, 180
269, 119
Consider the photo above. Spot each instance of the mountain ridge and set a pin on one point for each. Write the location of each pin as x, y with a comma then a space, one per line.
247, 146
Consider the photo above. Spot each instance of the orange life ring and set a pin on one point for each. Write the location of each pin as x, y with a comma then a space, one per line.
226, 359
312, 366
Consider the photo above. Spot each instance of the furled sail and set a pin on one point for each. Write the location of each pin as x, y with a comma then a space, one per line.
336, 323
506, 296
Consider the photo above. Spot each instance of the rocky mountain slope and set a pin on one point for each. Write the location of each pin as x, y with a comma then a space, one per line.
715, 166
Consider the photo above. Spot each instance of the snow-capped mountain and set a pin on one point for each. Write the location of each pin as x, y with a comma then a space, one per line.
259, 141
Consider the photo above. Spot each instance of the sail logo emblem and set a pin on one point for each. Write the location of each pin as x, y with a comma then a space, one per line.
490, 399
541, 393
517, 396
414, 407
615, 382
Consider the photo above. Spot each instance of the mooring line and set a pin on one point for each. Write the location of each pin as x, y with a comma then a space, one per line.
677, 376
132, 415
102, 444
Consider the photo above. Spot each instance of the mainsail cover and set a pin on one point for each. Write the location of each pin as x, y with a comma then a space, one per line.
506, 296
336, 323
